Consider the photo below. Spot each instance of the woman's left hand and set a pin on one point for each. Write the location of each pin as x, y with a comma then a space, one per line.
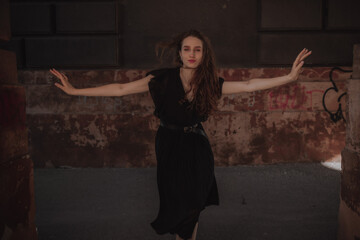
298, 63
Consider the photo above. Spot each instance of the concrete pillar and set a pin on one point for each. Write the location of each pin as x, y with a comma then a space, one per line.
349, 211
17, 202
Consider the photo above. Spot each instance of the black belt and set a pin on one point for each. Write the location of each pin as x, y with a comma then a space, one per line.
186, 129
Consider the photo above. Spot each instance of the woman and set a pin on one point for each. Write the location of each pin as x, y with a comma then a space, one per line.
184, 97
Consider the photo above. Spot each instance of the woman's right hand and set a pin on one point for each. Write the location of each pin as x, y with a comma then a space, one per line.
65, 86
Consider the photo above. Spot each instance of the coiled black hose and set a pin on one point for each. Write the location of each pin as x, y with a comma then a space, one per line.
338, 115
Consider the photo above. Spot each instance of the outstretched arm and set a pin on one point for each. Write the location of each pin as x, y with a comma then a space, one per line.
114, 89
265, 83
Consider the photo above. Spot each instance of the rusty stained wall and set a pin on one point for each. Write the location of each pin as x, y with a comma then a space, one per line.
350, 190
17, 202
283, 124
349, 210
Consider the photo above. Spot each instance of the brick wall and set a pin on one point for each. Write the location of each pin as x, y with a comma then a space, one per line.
284, 124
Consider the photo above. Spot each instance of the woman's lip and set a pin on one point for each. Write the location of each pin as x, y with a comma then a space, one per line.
192, 61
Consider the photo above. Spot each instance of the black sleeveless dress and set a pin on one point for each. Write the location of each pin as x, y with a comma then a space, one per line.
185, 162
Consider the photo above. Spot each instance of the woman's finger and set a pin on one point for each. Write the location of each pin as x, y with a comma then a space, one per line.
64, 76
302, 55
299, 56
306, 55
299, 62
53, 71
300, 65
59, 86
56, 73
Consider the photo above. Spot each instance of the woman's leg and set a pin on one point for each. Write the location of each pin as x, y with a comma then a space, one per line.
193, 237
178, 238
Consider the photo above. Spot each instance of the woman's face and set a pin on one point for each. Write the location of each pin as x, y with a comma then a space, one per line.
191, 52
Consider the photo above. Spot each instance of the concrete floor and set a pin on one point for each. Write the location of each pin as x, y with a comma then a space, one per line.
286, 201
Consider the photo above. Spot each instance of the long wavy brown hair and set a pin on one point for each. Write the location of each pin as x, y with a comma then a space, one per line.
205, 81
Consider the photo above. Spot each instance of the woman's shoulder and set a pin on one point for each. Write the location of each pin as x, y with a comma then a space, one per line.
160, 81
161, 72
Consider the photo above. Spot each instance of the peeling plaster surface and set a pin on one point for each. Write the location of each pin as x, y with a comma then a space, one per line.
282, 124
349, 211
17, 205
353, 136
89, 135
13, 137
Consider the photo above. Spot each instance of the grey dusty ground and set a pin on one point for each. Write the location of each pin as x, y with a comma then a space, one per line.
286, 201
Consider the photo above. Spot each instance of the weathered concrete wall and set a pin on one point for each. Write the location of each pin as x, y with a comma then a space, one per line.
17, 205
284, 124
349, 212
120, 33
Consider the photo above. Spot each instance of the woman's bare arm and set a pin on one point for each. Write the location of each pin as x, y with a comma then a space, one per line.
265, 83
108, 90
